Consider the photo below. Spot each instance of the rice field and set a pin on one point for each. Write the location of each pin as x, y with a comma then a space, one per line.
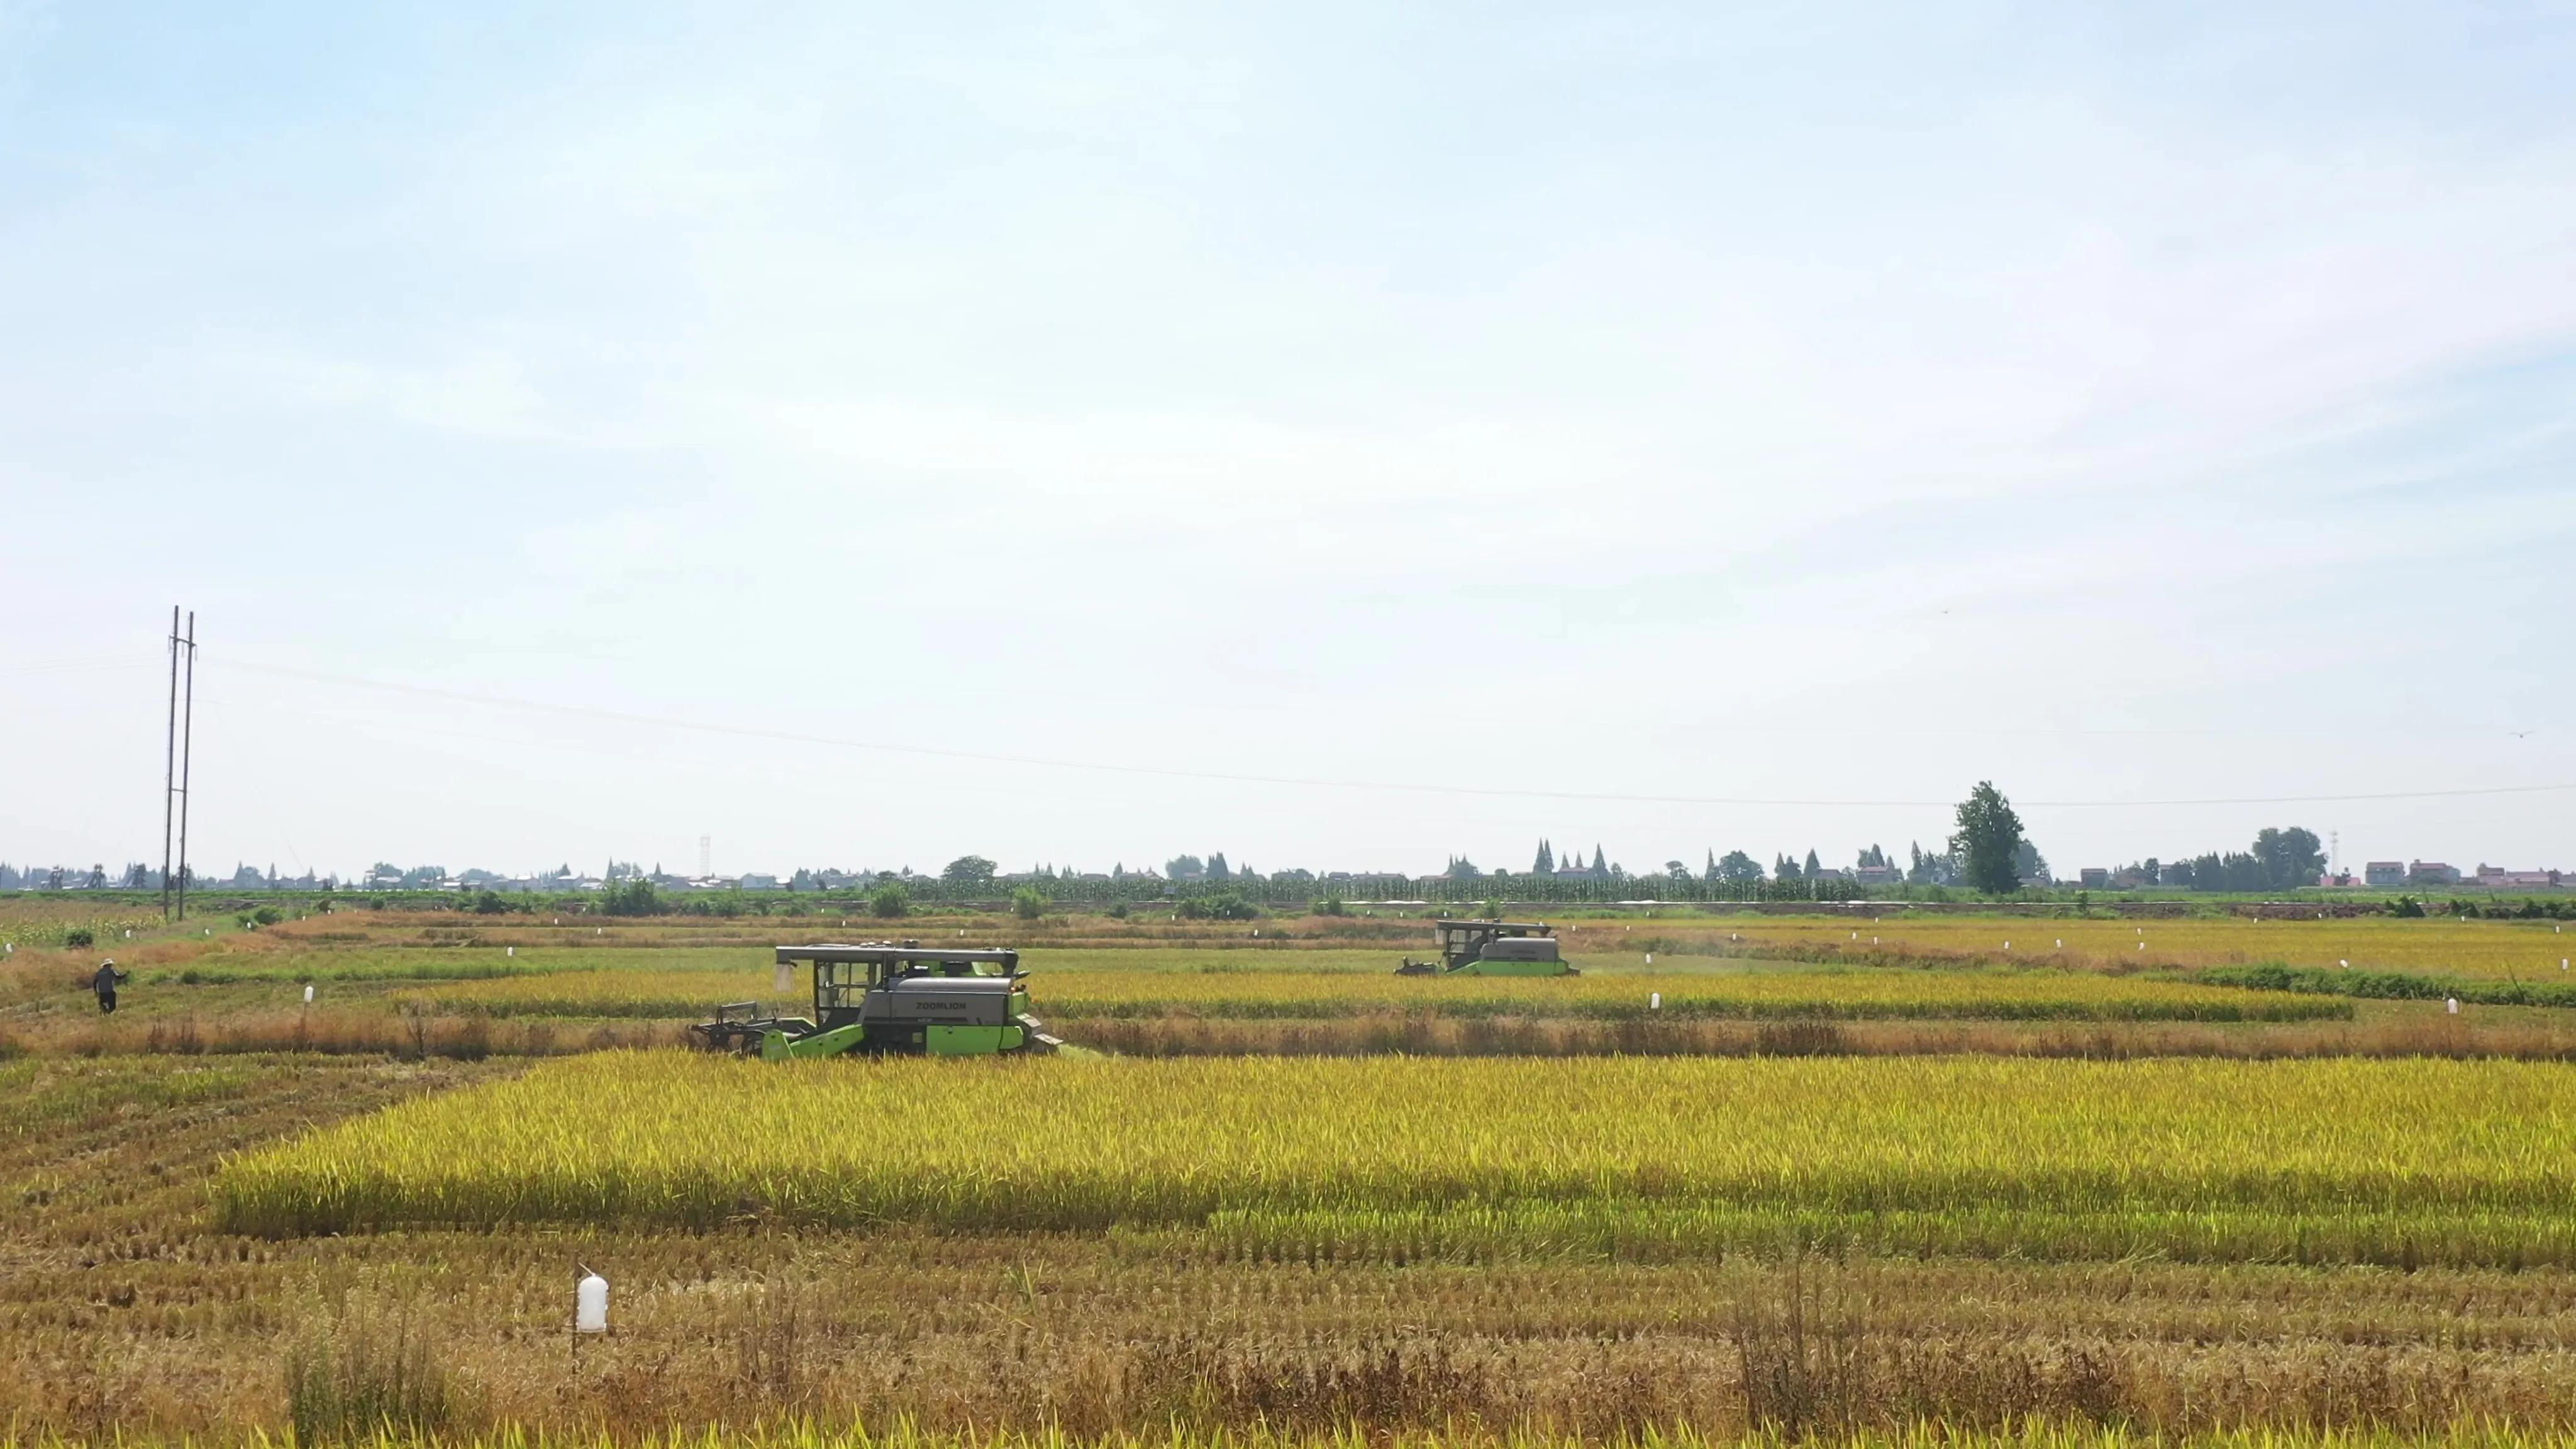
2330, 1160
2481, 948
1223, 993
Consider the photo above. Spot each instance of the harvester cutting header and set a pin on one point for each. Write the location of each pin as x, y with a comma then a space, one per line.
884, 996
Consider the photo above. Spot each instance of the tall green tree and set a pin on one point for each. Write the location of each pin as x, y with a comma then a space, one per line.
1988, 843
2291, 858
969, 870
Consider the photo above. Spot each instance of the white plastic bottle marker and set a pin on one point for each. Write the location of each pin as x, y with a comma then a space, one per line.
1650, 958
1654, 1001
510, 951
308, 993
590, 1304
2451, 1005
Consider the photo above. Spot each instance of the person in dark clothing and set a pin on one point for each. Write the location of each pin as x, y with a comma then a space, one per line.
105, 984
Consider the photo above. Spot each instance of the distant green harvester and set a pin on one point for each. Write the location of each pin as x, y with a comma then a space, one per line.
1492, 948
881, 996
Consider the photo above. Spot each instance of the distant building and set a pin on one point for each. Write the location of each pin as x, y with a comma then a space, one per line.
1878, 874
2497, 878
2094, 878
2384, 873
2432, 873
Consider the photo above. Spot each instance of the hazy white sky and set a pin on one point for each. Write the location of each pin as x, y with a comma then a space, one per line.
1792, 402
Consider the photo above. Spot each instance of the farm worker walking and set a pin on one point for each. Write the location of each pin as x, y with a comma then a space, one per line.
104, 983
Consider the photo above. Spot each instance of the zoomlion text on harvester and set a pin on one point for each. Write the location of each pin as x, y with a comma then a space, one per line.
886, 996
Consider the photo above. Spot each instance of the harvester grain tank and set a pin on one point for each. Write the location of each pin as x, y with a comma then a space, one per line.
1492, 948
888, 997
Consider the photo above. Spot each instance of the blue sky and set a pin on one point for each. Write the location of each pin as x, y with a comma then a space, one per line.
1806, 403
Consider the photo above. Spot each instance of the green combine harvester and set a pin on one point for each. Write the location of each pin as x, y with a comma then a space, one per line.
885, 997
1492, 948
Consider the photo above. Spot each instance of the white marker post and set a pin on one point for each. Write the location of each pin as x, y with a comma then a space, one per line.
590, 1303
2452, 1005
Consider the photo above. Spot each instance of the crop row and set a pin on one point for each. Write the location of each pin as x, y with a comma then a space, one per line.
1846, 995
2393, 1160
2466, 948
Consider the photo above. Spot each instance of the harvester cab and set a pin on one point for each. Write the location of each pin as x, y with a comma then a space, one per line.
1492, 948
881, 996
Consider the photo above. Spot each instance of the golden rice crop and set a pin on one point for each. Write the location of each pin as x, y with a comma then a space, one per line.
2528, 949
1841, 994
2344, 1159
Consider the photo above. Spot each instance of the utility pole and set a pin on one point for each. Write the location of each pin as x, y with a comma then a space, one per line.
185, 705
170, 765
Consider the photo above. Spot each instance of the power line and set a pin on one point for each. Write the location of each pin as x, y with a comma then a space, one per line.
576, 711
